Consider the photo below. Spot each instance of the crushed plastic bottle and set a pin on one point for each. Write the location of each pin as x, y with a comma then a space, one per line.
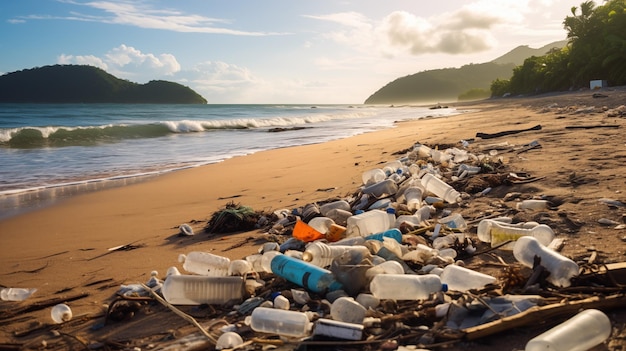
561, 268
16, 294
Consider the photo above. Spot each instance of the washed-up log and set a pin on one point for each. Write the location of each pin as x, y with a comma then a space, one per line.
506, 132
537, 315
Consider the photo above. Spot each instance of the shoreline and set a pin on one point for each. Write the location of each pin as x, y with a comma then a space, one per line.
65, 249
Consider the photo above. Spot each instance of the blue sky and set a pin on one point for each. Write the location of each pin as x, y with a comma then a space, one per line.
233, 51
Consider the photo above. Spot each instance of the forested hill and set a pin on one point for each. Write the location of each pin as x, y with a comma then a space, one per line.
88, 84
448, 83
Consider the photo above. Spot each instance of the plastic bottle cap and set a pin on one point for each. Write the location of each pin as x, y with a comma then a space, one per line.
391, 210
359, 211
444, 287
274, 295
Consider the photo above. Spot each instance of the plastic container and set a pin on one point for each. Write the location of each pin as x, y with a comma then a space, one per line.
346, 309
393, 233
463, 279
353, 240
240, 267
440, 188
391, 167
413, 196
373, 176
335, 205
16, 294
228, 340
336, 232
387, 267
416, 218
321, 224
281, 322
205, 263
500, 232
339, 216
382, 188
579, 333
561, 268
391, 213
304, 274
310, 211
322, 255
532, 205
366, 223
455, 221
305, 232
405, 286
197, 290
61, 313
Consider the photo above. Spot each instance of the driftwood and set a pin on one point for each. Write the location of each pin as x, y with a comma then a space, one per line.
537, 315
594, 126
506, 132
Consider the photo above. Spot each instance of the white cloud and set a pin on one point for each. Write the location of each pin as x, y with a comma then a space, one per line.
82, 60
144, 15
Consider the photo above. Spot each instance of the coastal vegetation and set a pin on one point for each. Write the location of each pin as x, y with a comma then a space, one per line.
596, 50
469, 82
88, 84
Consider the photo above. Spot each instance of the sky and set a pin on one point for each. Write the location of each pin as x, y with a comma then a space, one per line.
275, 51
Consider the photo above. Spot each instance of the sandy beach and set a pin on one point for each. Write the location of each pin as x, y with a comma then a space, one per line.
63, 250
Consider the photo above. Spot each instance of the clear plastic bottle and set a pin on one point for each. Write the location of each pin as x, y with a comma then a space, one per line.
532, 205
334, 205
321, 224
416, 218
339, 216
391, 213
366, 223
304, 274
205, 263
405, 286
282, 322
561, 268
500, 232
16, 294
322, 255
582, 332
382, 188
197, 289
463, 279
413, 196
440, 188
373, 176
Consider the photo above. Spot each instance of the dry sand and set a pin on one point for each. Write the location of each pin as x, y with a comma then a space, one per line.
63, 250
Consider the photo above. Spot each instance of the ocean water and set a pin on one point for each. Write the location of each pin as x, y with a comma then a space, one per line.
52, 151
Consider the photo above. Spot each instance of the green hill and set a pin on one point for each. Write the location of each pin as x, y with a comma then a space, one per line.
448, 83
88, 84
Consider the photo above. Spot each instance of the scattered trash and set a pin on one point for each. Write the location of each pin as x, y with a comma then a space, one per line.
61, 313
16, 294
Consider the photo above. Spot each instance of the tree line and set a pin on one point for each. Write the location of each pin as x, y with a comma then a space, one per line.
596, 50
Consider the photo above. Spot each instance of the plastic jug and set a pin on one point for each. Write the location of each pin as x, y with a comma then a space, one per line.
366, 223
197, 289
281, 322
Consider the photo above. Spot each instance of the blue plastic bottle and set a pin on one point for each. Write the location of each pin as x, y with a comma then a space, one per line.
304, 274
393, 233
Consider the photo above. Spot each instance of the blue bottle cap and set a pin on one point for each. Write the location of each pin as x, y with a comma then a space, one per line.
358, 211
274, 295
444, 287
391, 210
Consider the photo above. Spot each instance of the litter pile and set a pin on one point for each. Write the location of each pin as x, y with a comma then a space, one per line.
389, 267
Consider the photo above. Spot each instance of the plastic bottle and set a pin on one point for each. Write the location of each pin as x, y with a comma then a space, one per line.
582, 332
387, 267
16, 294
463, 279
281, 322
304, 274
391, 213
321, 224
405, 286
416, 218
413, 196
373, 176
561, 268
391, 167
61, 313
388, 255
346, 309
440, 188
240, 267
382, 188
205, 263
228, 340
322, 255
366, 223
353, 240
197, 290
502, 232
532, 205
334, 205
393, 233
336, 232
423, 151
455, 221
339, 216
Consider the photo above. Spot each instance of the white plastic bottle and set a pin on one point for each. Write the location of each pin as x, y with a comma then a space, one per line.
440, 188
334, 205
197, 289
281, 322
382, 188
366, 223
463, 279
413, 196
205, 263
373, 176
16, 294
322, 255
405, 286
321, 224
561, 268
579, 333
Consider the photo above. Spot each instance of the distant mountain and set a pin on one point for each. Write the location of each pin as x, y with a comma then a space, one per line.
88, 84
448, 83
